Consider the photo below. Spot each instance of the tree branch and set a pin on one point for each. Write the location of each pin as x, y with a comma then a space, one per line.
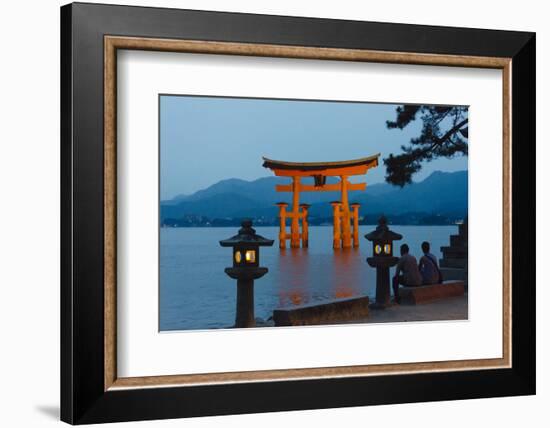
451, 131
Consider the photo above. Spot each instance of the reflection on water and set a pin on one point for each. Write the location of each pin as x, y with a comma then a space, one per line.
195, 293
293, 264
345, 269
302, 278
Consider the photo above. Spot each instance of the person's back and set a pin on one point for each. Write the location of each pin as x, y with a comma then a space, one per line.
406, 272
409, 267
428, 266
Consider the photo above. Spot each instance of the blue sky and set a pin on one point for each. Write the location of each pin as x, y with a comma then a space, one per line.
207, 139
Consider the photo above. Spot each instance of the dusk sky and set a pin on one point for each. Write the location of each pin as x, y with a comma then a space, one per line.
207, 139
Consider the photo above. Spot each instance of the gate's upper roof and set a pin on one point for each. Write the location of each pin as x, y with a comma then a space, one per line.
346, 167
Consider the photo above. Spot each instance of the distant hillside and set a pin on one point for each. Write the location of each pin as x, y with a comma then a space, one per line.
442, 193
262, 190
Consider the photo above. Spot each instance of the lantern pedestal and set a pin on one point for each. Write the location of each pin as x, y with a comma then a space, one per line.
382, 300
245, 293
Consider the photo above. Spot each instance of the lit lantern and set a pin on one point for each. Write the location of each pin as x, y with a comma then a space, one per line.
244, 257
382, 259
246, 245
246, 268
382, 239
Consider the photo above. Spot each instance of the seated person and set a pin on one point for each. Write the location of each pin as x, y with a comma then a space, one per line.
428, 266
406, 272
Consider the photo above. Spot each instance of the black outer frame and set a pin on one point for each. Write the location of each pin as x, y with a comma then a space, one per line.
83, 399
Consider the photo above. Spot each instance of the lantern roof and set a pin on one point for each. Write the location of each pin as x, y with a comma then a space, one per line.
382, 232
246, 235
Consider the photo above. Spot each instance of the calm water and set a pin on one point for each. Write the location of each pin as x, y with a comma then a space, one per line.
195, 293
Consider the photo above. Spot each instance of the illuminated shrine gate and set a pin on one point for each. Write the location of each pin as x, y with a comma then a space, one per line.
343, 216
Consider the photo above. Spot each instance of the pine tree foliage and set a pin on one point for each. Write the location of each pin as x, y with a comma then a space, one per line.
444, 134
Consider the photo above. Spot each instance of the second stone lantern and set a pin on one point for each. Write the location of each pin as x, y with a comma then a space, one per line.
382, 259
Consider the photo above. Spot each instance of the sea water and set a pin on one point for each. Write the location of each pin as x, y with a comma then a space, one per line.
195, 292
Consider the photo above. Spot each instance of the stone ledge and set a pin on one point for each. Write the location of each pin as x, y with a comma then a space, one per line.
336, 310
454, 252
454, 274
459, 241
429, 293
453, 263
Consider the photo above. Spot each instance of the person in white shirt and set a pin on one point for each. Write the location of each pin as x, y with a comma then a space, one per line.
428, 266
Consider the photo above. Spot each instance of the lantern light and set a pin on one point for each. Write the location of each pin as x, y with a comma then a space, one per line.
250, 256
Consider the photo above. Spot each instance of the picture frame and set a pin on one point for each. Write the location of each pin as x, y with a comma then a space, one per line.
91, 391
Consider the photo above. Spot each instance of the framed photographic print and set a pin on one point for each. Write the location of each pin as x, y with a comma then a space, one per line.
264, 213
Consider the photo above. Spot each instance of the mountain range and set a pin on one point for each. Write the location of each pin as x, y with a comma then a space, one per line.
440, 194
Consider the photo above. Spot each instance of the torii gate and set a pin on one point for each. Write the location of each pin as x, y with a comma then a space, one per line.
342, 214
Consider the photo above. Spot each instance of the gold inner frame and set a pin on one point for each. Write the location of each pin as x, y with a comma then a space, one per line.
113, 43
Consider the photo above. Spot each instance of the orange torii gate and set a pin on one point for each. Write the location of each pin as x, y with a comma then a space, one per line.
342, 214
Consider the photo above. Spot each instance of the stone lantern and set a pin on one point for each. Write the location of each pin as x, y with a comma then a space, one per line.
382, 259
246, 268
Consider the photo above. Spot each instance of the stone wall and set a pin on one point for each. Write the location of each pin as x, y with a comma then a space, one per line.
454, 264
